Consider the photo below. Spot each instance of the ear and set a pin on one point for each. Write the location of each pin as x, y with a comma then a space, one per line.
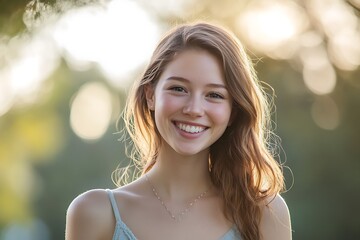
150, 96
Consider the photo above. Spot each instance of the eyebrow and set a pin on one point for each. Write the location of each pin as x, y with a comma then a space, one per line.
181, 79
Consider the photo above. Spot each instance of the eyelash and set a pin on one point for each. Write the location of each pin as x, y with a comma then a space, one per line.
177, 89
213, 95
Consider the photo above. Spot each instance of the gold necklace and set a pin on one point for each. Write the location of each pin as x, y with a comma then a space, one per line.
179, 216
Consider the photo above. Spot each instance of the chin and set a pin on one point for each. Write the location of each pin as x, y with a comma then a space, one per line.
190, 152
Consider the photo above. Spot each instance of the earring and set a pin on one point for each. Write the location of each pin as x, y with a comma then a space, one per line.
150, 105
210, 165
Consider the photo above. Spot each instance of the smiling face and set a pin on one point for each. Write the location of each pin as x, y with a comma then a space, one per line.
191, 103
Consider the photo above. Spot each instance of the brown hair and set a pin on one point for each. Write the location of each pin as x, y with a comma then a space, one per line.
245, 172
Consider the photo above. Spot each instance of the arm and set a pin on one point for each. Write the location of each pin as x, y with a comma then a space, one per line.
275, 223
87, 215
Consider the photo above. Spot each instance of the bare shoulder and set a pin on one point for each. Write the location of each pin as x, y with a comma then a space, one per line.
275, 222
89, 216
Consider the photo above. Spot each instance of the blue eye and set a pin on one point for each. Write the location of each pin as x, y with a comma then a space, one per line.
215, 95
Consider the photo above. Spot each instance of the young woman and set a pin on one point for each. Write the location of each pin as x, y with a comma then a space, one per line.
199, 122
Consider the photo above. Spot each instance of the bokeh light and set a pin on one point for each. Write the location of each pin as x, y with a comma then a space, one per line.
173, 8
269, 26
340, 24
28, 63
91, 111
320, 79
344, 50
102, 35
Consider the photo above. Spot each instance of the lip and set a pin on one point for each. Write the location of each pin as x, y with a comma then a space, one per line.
190, 123
189, 134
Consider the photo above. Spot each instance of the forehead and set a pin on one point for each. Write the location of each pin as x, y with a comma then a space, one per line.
195, 65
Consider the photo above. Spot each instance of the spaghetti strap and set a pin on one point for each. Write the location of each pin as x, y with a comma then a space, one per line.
114, 205
121, 231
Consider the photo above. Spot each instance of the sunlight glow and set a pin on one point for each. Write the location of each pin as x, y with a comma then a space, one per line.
25, 75
119, 37
78, 31
171, 8
6, 97
32, 61
268, 25
91, 111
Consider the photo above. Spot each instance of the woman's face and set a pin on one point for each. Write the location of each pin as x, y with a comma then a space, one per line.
191, 102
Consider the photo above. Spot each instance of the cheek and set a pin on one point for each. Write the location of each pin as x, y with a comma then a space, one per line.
165, 105
221, 115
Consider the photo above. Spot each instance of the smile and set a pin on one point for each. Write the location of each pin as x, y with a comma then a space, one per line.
190, 128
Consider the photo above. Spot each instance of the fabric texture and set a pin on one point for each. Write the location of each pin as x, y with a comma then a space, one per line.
122, 232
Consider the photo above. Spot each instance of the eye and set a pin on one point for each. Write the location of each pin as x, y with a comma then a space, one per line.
215, 95
177, 89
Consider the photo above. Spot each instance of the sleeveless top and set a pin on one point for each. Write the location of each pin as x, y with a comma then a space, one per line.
123, 232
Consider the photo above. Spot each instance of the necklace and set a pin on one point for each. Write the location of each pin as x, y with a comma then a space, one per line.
179, 216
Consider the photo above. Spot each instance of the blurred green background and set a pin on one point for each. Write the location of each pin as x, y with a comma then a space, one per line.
66, 66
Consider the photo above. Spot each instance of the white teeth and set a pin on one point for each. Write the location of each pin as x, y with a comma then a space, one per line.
189, 128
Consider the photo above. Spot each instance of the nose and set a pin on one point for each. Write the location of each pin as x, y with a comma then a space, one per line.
194, 107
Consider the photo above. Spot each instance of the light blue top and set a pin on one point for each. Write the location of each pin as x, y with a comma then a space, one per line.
122, 232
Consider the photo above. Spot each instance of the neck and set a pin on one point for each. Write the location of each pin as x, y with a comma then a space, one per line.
180, 177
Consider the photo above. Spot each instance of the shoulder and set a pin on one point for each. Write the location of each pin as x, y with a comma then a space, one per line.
89, 203
89, 216
275, 222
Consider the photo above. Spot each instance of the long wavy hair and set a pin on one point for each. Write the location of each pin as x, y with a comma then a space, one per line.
245, 171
